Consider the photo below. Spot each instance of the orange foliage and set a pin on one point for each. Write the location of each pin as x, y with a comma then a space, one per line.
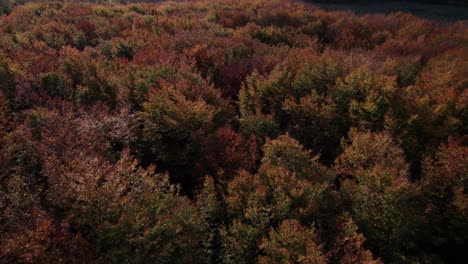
209, 131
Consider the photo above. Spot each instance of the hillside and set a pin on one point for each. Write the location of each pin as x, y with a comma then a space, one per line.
231, 132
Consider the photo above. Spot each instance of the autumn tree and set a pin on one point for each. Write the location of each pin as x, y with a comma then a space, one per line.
176, 119
291, 243
289, 185
364, 99
378, 194
209, 132
7, 83
444, 185
349, 244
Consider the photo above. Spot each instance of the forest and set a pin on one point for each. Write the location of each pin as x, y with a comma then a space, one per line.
231, 131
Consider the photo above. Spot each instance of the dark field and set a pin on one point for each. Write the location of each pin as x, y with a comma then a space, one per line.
447, 11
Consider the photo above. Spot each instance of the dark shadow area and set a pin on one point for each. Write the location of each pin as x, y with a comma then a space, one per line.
446, 11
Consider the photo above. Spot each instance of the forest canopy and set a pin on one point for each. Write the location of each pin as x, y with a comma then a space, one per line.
231, 132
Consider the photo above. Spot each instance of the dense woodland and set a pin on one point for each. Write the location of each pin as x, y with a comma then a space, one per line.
231, 132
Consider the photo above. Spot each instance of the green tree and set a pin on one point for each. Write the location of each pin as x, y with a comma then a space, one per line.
176, 121
291, 243
445, 185
363, 99
7, 82
377, 193
212, 207
290, 184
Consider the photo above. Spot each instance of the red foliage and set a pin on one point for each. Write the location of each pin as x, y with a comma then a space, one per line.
227, 153
88, 28
41, 239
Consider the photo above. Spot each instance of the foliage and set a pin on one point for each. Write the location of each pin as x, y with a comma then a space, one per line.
379, 183
291, 243
230, 132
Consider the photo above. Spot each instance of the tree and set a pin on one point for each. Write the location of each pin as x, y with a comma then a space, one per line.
291, 243
114, 203
176, 120
363, 99
7, 83
377, 193
287, 152
348, 244
4, 6
89, 83
227, 153
155, 224
312, 122
289, 185
209, 132
444, 185
212, 206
